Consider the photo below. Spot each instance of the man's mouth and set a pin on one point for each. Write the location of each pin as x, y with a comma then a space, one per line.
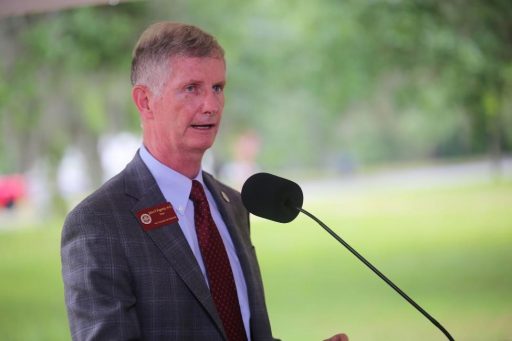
203, 126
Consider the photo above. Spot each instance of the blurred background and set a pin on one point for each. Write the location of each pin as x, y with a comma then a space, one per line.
395, 116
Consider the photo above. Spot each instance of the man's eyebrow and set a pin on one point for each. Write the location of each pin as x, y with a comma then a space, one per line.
197, 81
192, 81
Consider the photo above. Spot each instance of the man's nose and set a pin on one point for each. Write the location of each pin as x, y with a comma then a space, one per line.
213, 102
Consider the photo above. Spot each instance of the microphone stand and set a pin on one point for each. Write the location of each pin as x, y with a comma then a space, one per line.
378, 273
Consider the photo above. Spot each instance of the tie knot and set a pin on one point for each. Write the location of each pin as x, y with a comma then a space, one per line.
197, 193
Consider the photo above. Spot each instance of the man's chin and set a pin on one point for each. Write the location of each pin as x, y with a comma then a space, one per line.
201, 147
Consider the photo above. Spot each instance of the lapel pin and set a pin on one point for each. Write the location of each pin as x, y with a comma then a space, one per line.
225, 196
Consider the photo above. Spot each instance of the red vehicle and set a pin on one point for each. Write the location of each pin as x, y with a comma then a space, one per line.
12, 189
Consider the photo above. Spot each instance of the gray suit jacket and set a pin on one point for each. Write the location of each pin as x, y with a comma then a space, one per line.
124, 283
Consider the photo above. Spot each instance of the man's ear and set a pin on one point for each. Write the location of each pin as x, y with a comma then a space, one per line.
141, 95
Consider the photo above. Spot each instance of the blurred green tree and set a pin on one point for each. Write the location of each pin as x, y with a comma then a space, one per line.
320, 81
58, 86
460, 49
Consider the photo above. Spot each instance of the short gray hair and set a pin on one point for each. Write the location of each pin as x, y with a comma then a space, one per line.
163, 40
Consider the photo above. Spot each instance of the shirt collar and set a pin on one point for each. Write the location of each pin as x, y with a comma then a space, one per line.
174, 186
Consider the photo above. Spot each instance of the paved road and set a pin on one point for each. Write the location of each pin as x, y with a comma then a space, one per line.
411, 178
390, 179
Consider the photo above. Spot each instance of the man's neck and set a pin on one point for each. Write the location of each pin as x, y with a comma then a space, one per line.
188, 165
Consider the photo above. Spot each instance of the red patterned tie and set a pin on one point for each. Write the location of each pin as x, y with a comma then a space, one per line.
218, 268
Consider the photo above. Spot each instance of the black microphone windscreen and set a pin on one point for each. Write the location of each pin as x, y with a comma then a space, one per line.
272, 197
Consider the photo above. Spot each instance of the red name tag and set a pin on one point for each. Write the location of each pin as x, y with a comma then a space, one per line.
157, 216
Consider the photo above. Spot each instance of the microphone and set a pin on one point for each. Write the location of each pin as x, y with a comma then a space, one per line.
271, 197
278, 199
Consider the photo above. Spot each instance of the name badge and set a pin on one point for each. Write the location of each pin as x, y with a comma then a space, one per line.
157, 216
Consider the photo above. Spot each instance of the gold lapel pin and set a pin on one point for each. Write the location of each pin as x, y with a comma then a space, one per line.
224, 196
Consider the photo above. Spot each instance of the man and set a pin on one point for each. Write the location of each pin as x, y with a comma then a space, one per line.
162, 250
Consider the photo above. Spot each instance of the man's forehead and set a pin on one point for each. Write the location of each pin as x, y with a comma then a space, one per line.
183, 60
184, 68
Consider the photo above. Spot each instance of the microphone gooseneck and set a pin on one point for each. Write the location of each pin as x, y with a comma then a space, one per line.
278, 199
378, 273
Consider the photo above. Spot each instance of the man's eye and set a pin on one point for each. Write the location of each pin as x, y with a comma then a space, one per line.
218, 88
190, 88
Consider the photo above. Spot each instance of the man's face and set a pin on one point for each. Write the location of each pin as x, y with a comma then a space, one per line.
187, 113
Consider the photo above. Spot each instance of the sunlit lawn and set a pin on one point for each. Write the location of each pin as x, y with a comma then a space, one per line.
449, 249
31, 292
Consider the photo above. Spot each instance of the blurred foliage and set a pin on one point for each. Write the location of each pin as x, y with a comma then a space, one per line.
360, 81
59, 74
460, 49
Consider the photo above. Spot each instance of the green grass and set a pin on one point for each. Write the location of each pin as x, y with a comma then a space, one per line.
31, 291
447, 248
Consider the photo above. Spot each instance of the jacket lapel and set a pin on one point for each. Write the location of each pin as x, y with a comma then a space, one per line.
141, 185
239, 236
225, 206
238, 226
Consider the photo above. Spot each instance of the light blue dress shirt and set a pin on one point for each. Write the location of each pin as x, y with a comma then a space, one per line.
176, 189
